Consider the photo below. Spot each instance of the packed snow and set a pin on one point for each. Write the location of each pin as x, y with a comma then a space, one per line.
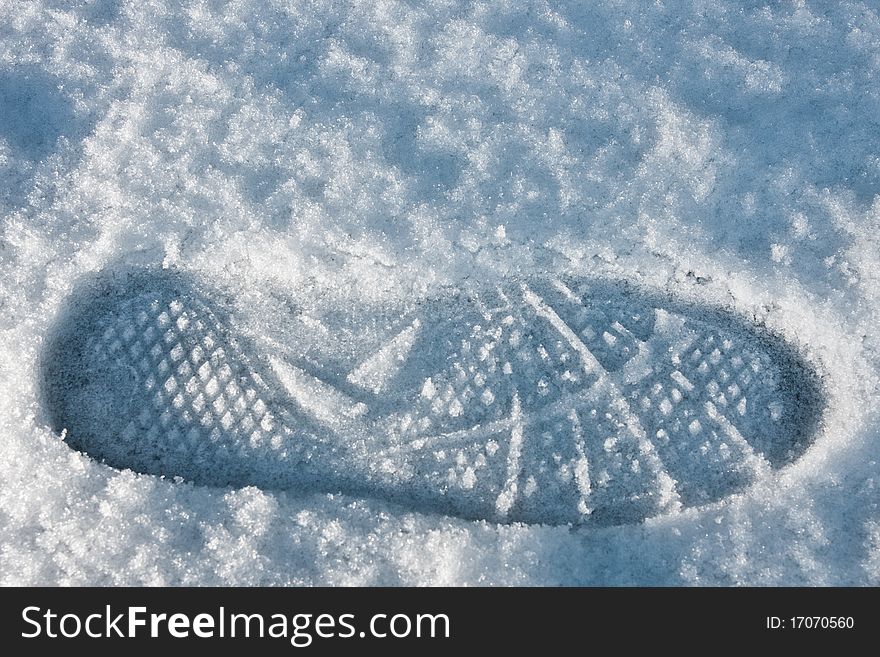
322, 162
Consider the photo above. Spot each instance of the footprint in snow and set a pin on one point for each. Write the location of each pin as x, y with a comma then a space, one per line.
541, 401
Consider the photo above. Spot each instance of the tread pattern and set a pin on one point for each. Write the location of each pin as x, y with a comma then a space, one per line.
548, 401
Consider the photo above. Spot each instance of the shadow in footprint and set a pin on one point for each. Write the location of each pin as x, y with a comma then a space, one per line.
519, 401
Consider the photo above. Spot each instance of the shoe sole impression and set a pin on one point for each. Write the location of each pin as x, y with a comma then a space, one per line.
540, 401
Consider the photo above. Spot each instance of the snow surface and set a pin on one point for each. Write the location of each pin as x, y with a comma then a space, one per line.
364, 153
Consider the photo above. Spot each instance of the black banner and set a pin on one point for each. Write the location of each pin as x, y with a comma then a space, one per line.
279, 621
